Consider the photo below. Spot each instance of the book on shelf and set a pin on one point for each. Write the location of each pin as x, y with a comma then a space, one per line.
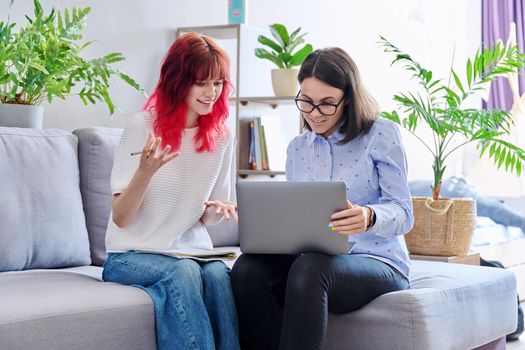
264, 149
253, 158
245, 144
257, 143
260, 145
263, 144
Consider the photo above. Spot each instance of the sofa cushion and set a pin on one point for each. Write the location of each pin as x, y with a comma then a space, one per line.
448, 306
62, 310
42, 224
96, 147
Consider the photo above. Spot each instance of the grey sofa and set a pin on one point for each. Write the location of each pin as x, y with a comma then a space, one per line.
55, 202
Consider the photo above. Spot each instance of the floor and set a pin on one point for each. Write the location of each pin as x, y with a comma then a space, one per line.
518, 344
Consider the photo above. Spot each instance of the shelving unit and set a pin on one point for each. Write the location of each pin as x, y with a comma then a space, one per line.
252, 82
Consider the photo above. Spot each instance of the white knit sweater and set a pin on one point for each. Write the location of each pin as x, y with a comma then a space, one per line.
168, 217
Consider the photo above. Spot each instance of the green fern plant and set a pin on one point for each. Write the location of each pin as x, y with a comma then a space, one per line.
282, 49
440, 107
42, 61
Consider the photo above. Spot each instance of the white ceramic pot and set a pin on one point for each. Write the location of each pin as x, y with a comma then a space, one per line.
284, 81
21, 116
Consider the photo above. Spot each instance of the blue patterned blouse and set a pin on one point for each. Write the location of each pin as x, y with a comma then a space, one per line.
373, 167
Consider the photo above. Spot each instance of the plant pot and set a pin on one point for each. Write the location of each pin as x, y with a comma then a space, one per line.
21, 116
284, 82
443, 227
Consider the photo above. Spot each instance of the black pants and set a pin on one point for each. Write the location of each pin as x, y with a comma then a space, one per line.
283, 300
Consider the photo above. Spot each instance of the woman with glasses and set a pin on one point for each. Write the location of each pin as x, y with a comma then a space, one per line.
283, 301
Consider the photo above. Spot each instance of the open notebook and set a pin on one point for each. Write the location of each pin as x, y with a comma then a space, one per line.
196, 253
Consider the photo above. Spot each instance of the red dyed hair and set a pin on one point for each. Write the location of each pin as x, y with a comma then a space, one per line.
191, 58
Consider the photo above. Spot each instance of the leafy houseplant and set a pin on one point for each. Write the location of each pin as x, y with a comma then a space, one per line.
42, 61
440, 107
282, 49
285, 53
445, 226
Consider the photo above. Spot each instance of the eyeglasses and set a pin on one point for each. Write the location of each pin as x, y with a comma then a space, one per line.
324, 108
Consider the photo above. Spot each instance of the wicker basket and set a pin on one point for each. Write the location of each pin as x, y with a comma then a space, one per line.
444, 227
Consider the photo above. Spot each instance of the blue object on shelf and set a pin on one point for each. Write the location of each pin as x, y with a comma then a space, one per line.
236, 11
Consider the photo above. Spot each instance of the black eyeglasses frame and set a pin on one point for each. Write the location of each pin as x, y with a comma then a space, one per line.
317, 106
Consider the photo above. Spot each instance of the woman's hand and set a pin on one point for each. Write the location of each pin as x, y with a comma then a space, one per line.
153, 157
226, 208
352, 220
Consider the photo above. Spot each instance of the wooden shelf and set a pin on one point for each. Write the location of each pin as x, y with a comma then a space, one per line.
271, 173
227, 31
272, 101
469, 259
221, 32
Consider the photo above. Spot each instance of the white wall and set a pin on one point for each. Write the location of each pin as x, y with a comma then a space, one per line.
142, 30
429, 30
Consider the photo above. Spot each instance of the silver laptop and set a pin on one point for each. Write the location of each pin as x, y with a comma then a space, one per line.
290, 217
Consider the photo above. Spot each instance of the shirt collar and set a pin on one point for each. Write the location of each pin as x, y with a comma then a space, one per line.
310, 137
336, 136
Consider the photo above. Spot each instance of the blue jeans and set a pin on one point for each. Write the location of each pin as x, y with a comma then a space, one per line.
194, 305
291, 295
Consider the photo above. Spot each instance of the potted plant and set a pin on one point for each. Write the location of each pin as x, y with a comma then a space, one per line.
442, 226
41, 61
285, 54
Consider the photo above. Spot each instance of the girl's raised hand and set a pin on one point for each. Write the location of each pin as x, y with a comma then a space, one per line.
153, 157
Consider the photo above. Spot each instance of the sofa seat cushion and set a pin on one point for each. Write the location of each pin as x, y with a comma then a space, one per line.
69, 309
41, 216
449, 306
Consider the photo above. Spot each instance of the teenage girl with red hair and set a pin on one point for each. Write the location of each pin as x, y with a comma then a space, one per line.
164, 198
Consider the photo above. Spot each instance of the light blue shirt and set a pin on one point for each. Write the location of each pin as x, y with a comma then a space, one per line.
374, 168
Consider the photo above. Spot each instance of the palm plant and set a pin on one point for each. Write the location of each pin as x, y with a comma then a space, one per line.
42, 60
440, 107
282, 49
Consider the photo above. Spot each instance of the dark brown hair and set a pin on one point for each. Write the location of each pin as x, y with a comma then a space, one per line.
333, 66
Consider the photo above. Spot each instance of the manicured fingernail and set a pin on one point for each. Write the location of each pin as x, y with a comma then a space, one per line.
330, 225
333, 228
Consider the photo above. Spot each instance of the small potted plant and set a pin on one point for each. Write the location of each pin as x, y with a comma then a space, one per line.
443, 226
41, 61
285, 54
